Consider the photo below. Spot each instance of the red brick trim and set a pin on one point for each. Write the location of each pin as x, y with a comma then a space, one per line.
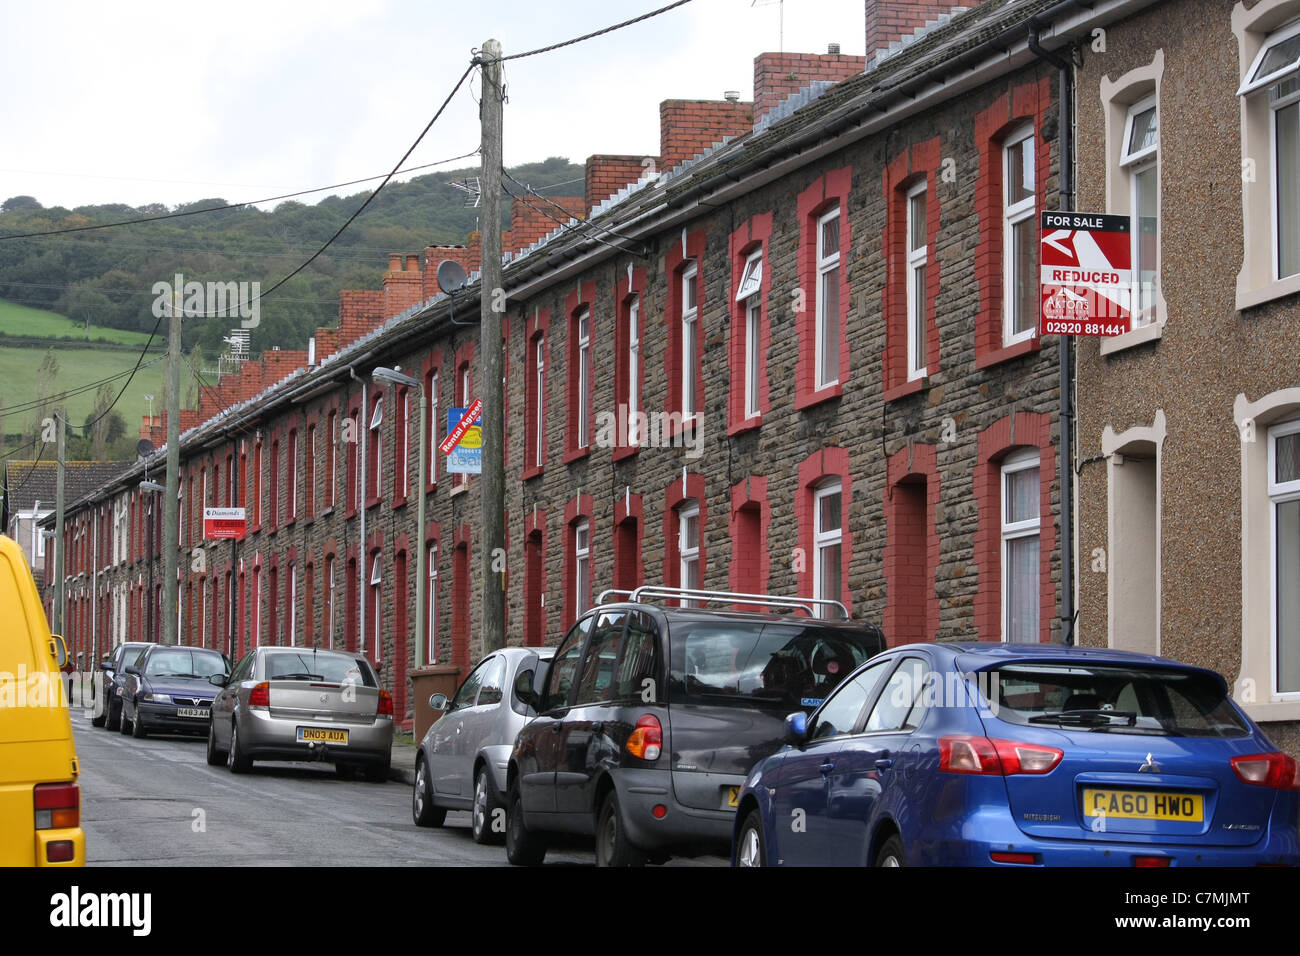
402, 458
826, 191
460, 592
626, 289
676, 261
376, 398
1015, 431
429, 367
574, 511
750, 517
753, 235
919, 162
534, 578
352, 463
584, 297
674, 496
537, 325
912, 545
1027, 102
813, 470
629, 532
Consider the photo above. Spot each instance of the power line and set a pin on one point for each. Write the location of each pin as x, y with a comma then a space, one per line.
566, 225
550, 202
63, 396
597, 33
95, 421
30, 471
239, 205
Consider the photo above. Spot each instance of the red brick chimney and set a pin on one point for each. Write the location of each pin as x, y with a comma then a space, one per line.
780, 75
402, 287
689, 127
474, 244
890, 20
607, 174
433, 257
360, 310
532, 218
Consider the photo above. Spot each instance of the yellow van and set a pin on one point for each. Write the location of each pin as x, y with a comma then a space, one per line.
40, 801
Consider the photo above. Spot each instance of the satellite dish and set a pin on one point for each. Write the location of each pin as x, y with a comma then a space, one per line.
144, 448
451, 276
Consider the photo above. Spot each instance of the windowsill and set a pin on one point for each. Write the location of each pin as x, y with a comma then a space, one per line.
533, 471
1150, 332
745, 425
807, 399
1278, 289
913, 387
1273, 710
622, 452
459, 488
373, 502
575, 454
289, 522
400, 502
326, 512
1008, 352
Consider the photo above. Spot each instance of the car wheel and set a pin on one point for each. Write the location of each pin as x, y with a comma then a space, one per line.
749, 848
376, 772
138, 729
99, 721
215, 757
891, 854
114, 721
236, 759
124, 725
613, 848
523, 848
423, 812
486, 810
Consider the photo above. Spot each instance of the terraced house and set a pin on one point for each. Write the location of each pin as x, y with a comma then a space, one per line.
795, 352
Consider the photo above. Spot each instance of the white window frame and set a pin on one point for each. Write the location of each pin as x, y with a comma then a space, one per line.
1275, 107
581, 565
434, 451
1010, 531
292, 476
539, 409
826, 262
311, 451
1253, 83
293, 604
918, 259
377, 442
582, 323
431, 618
688, 559
257, 607
334, 459
1013, 214
404, 424
690, 316
633, 367
750, 295
824, 539
203, 614
1134, 163
376, 595
1278, 493
331, 600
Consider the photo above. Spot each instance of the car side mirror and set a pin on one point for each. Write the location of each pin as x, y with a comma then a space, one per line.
106, 664
438, 702
132, 669
219, 680
524, 689
796, 728
58, 649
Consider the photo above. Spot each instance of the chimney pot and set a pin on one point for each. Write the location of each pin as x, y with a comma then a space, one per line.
731, 96
413, 263
833, 49
394, 262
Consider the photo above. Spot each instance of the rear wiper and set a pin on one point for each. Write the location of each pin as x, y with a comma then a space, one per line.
298, 677
1087, 718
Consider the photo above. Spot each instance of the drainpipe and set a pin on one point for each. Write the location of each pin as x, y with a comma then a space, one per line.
92, 662
362, 580
1065, 103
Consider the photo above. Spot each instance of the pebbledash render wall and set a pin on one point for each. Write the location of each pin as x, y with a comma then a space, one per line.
1174, 549
918, 461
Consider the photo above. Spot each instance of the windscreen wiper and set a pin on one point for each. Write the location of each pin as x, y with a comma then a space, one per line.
1086, 718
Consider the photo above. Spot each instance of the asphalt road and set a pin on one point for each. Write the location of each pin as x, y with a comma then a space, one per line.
156, 802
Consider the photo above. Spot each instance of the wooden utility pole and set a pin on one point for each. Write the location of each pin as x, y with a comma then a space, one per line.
171, 504
60, 420
491, 307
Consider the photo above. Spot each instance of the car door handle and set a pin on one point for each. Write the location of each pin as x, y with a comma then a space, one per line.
459, 727
827, 767
555, 727
884, 763
597, 727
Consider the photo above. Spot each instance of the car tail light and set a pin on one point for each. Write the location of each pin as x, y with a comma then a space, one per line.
385, 704
1152, 861
60, 851
260, 695
1276, 770
58, 805
1003, 857
647, 740
963, 753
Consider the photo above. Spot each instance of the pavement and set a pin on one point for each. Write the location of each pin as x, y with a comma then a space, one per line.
402, 767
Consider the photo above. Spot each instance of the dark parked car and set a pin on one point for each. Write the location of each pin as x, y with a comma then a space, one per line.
168, 689
107, 711
651, 716
1022, 755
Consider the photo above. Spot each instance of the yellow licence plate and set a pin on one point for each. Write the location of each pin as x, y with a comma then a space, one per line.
321, 735
1143, 805
733, 796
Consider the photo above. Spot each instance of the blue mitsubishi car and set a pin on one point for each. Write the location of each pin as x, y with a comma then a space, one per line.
980, 754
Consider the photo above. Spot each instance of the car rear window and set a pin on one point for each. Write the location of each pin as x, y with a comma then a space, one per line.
330, 668
1112, 699
782, 665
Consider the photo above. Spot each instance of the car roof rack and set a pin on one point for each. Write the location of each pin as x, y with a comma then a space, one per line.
650, 591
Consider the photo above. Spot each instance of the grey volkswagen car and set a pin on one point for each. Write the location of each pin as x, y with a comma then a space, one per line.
107, 709
461, 763
298, 703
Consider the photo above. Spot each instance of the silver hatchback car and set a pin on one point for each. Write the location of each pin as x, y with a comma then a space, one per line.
295, 703
462, 760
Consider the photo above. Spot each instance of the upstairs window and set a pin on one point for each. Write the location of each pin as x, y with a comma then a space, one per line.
749, 295
828, 299
690, 356
917, 259
1020, 238
1138, 157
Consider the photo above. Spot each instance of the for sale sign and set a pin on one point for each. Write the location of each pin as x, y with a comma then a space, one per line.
1086, 275
223, 524
463, 445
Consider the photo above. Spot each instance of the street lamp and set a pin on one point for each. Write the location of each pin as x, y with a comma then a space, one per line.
421, 580
152, 486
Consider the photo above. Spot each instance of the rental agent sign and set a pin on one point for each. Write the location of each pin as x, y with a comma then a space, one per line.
1086, 275
463, 445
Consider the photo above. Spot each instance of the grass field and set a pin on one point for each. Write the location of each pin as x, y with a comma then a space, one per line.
38, 323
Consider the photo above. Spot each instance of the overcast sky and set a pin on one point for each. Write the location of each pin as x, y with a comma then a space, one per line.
139, 102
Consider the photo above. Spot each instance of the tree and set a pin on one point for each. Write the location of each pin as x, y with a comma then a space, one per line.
16, 203
83, 303
99, 422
